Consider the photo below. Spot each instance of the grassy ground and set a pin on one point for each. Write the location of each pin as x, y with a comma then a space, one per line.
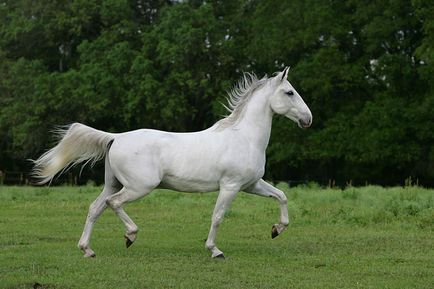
356, 238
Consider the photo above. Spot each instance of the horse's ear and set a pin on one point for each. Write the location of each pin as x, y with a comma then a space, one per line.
284, 73
281, 76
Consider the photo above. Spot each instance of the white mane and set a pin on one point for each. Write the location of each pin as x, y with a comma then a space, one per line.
239, 96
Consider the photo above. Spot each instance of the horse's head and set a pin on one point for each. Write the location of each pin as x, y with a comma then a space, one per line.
286, 101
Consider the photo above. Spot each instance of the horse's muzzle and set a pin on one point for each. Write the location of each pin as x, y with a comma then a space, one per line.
305, 122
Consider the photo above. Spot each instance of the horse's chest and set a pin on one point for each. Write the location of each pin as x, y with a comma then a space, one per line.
249, 167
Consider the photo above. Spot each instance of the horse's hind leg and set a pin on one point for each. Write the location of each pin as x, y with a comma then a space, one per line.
116, 202
96, 208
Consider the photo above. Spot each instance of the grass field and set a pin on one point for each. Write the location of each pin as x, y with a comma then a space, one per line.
367, 237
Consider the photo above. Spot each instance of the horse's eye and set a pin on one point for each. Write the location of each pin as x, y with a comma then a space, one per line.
290, 92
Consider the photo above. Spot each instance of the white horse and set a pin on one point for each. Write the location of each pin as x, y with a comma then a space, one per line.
229, 157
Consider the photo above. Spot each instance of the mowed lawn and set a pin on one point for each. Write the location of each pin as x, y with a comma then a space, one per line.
367, 237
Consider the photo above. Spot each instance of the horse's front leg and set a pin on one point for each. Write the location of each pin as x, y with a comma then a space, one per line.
224, 201
264, 189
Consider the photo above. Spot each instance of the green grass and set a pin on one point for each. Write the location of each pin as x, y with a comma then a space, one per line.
367, 237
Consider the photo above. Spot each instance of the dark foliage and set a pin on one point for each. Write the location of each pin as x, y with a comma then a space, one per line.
365, 69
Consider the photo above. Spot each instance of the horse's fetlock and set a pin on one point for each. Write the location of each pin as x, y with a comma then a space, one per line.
81, 246
132, 231
209, 245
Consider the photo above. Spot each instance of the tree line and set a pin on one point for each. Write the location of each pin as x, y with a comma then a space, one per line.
365, 69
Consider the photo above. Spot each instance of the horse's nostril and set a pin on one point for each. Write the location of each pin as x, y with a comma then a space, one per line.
305, 122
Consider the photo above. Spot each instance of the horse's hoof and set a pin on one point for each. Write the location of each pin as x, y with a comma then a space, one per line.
128, 242
91, 255
274, 232
220, 256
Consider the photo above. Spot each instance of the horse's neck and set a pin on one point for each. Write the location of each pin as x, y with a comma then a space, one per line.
256, 121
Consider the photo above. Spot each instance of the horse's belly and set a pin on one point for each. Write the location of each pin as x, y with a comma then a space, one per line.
188, 185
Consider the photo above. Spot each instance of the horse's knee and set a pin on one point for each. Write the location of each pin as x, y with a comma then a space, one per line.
282, 197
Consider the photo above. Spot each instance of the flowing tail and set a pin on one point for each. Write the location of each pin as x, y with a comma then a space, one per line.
78, 143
